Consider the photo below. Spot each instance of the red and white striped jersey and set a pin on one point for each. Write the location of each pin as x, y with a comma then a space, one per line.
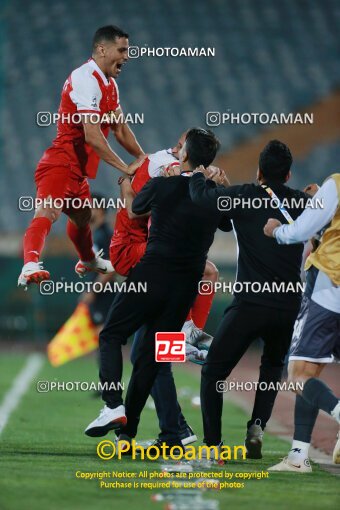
136, 230
86, 91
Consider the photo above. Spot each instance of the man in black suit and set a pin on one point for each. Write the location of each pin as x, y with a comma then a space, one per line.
180, 236
268, 294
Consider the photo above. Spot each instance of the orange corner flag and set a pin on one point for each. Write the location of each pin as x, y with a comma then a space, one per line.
75, 338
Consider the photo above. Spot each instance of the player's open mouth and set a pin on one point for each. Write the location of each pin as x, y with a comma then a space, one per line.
119, 66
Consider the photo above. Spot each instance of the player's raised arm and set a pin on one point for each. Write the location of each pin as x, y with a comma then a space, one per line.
128, 196
311, 221
125, 136
96, 139
203, 194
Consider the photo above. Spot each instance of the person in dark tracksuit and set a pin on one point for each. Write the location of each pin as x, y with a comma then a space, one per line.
163, 391
99, 302
180, 236
268, 294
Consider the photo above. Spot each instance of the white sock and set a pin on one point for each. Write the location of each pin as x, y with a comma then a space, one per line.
187, 324
336, 412
299, 450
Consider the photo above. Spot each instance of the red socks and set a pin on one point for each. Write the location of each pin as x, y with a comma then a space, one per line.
189, 318
34, 239
82, 240
35, 235
201, 309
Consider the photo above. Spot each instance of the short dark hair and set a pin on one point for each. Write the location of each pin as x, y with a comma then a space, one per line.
108, 33
275, 161
201, 146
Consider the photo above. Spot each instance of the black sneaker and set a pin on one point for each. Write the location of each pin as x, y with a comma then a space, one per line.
253, 441
128, 439
212, 455
187, 436
159, 442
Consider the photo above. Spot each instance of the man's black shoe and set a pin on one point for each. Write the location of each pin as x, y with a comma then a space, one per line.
187, 436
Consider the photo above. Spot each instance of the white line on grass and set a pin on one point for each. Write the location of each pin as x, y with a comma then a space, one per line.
19, 387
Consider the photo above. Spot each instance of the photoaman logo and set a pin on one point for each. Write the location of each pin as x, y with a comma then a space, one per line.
107, 449
170, 346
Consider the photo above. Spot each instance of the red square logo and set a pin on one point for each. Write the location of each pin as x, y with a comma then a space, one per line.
170, 346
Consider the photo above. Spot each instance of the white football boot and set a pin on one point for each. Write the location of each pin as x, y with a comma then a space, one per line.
32, 272
336, 451
302, 466
107, 420
98, 265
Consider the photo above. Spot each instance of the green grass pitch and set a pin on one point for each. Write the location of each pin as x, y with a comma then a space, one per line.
43, 445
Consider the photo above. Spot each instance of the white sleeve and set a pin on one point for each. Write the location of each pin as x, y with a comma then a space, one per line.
86, 93
313, 218
160, 160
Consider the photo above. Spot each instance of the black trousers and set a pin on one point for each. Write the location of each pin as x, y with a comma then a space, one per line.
243, 323
164, 307
163, 392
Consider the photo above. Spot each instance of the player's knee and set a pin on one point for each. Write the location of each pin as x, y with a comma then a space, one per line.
50, 213
210, 272
294, 372
300, 371
292, 380
303, 369
81, 218
87, 215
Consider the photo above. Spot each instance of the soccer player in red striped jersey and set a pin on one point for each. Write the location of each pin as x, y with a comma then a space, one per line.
89, 108
130, 237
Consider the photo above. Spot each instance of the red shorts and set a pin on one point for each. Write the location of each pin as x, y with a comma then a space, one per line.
60, 183
125, 257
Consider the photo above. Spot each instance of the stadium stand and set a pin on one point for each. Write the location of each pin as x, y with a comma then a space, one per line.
269, 58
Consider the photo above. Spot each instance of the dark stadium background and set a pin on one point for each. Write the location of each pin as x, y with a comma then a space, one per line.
271, 56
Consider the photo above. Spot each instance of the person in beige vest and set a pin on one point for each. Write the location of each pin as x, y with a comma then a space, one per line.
316, 337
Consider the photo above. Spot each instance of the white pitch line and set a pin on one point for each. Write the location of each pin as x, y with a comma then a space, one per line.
19, 387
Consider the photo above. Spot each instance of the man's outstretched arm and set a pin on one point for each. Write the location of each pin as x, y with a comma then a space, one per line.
128, 195
96, 139
203, 194
311, 221
125, 136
